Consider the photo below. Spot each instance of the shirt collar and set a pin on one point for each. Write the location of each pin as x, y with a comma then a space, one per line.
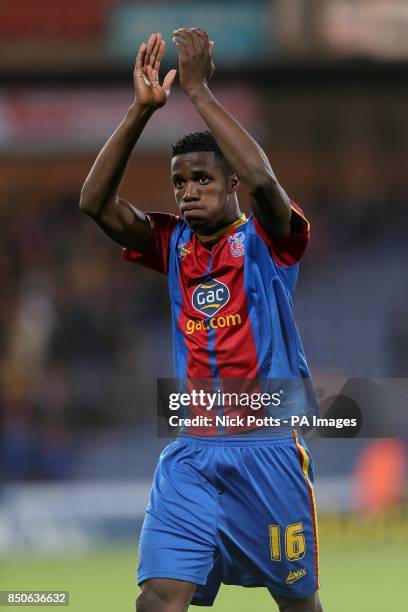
224, 230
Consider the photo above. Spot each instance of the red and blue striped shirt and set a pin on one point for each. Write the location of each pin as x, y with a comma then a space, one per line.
231, 295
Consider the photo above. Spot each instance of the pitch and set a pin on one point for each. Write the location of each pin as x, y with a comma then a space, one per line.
367, 576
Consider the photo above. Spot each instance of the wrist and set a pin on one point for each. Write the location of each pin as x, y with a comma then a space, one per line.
197, 92
138, 111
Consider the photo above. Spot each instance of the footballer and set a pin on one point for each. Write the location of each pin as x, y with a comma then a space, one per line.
232, 508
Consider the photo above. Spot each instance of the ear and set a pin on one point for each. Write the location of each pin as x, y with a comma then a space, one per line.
233, 182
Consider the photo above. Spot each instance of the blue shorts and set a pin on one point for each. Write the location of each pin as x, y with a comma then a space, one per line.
234, 512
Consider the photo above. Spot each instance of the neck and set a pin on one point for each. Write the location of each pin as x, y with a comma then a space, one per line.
223, 229
224, 222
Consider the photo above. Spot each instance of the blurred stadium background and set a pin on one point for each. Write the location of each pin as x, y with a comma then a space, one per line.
83, 335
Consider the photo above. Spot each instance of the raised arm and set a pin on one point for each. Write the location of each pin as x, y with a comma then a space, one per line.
119, 219
270, 203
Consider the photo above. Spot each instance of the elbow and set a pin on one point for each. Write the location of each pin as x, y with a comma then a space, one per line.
83, 202
87, 203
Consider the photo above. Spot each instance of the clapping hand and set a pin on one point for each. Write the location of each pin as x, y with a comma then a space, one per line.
148, 91
196, 65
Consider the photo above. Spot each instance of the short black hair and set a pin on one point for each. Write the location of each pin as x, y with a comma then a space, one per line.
200, 141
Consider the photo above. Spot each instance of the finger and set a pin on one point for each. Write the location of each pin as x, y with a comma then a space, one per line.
201, 36
183, 34
192, 38
140, 58
154, 68
168, 80
184, 44
154, 75
155, 50
201, 31
149, 72
159, 55
198, 41
179, 42
149, 48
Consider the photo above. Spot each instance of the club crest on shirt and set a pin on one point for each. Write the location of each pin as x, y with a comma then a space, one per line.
183, 250
210, 296
237, 244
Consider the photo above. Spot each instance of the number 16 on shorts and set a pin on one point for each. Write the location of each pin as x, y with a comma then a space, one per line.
293, 542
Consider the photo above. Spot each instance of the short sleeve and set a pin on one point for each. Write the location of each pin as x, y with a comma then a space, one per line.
287, 250
156, 253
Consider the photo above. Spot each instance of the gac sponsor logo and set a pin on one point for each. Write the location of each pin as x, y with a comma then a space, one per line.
210, 296
197, 325
293, 576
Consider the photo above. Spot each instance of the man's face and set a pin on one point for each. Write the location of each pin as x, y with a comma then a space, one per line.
201, 189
